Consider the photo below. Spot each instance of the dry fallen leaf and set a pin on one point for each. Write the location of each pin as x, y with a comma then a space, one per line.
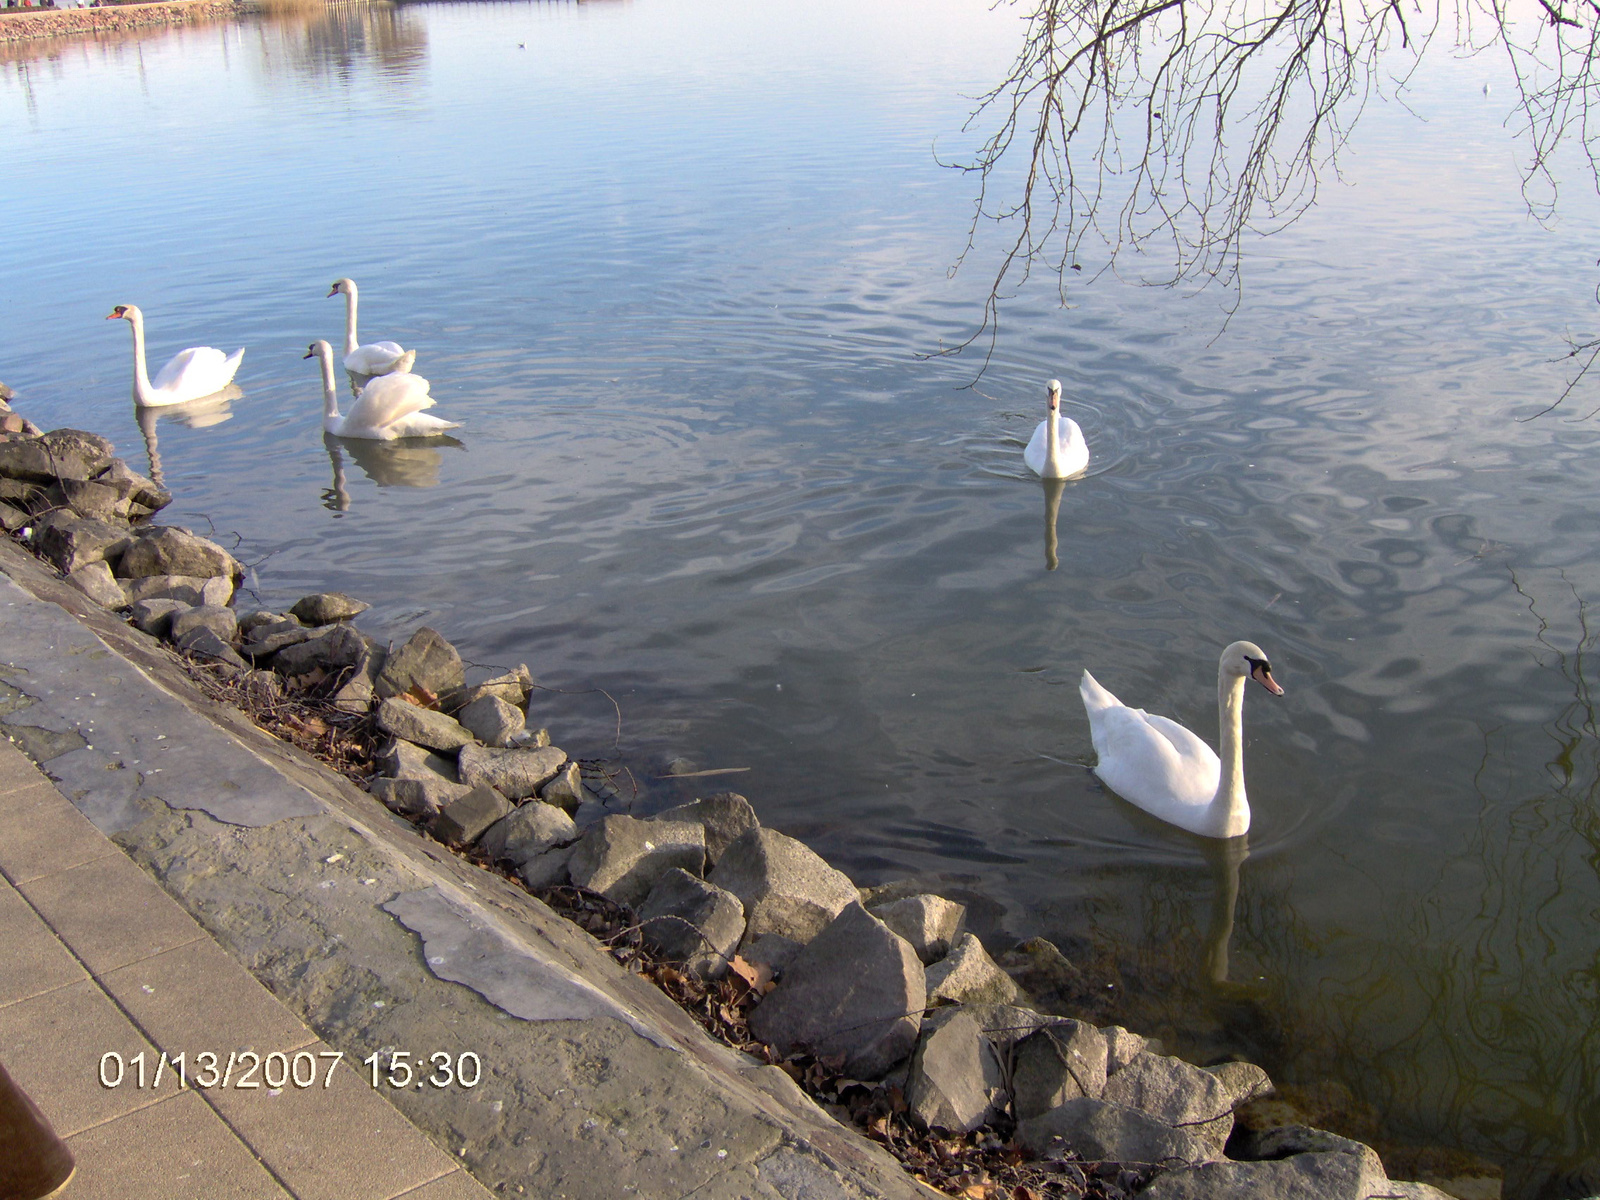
420, 696
757, 976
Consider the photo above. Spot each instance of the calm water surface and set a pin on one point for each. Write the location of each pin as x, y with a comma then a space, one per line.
671, 265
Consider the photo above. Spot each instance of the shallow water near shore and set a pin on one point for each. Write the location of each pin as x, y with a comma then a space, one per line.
672, 265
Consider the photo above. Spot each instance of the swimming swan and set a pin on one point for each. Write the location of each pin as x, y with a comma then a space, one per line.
1164, 769
375, 358
389, 407
192, 373
1057, 448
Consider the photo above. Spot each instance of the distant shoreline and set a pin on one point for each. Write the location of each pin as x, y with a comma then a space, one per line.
64, 22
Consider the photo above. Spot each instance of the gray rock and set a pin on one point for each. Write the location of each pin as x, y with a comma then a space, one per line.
1176, 1092
491, 720
533, 739
856, 990
1098, 1130
784, 885
79, 447
929, 923
1302, 1177
324, 608
164, 550
770, 950
137, 496
402, 760
969, 976
622, 858
215, 617
426, 661
1244, 1081
12, 518
527, 832
692, 922
1055, 1065
1005, 1025
189, 589
155, 616
414, 797
548, 869
725, 815
90, 499
1122, 1047
512, 687
1044, 973
68, 542
1284, 1141
356, 692
203, 642
422, 726
95, 581
251, 621
339, 648
566, 789
265, 638
464, 819
32, 461
956, 1082
515, 774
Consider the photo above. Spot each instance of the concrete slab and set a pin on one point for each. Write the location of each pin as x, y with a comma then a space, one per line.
47, 838
178, 1149
34, 960
458, 1185
75, 903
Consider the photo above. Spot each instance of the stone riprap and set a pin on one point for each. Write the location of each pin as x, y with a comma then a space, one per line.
68, 22
924, 999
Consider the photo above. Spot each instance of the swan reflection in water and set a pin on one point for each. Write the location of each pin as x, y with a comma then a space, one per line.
1052, 509
195, 414
1225, 856
412, 463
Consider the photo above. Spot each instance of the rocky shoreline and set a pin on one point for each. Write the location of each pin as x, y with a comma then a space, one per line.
64, 22
876, 1001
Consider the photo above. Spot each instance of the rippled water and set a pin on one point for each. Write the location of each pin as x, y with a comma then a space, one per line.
672, 264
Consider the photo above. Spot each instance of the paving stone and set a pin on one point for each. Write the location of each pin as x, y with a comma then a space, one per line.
725, 815
421, 726
515, 774
967, 975
855, 990
930, 923
75, 903
784, 885
692, 922
622, 858
463, 820
34, 961
53, 837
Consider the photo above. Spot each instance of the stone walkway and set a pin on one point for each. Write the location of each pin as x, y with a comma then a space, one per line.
103, 973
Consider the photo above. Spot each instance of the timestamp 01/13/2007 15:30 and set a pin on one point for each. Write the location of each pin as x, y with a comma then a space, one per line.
245, 1069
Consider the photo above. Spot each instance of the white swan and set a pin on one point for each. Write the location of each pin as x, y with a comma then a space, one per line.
375, 358
1164, 769
192, 373
389, 407
1057, 449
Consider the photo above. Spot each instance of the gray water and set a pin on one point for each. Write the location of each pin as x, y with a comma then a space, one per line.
672, 266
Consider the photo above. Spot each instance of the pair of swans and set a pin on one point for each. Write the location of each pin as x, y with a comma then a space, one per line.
390, 404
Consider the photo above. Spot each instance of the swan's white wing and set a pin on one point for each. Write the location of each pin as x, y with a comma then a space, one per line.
422, 425
1153, 762
1188, 744
1074, 450
378, 358
388, 399
1034, 455
196, 372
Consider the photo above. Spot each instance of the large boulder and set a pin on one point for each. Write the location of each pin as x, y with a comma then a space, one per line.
930, 923
68, 542
38, 460
855, 991
136, 495
1057, 1064
515, 774
527, 832
956, 1082
622, 858
421, 726
188, 589
1300, 1177
692, 922
491, 720
426, 662
1176, 1092
726, 816
1098, 1130
784, 885
430, 780
324, 608
967, 975
164, 550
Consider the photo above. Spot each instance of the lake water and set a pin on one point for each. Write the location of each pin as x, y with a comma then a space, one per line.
672, 266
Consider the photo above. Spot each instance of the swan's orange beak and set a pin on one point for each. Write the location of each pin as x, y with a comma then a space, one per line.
333, 291
1261, 672
116, 314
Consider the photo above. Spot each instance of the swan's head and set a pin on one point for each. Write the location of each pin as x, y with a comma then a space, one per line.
123, 312
342, 287
1054, 390
1247, 658
319, 350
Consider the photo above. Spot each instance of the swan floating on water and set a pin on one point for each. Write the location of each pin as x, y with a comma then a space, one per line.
1159, 766
190, 374
389, 407
1057, 449
375, 358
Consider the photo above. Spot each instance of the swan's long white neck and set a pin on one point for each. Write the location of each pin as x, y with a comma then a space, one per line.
330, 394
1230, 799
350, 342
141, 375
